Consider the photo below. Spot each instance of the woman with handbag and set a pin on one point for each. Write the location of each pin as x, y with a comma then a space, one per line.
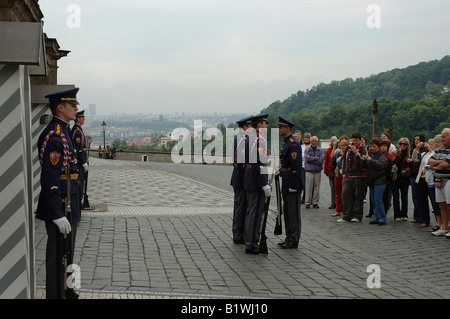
400, 184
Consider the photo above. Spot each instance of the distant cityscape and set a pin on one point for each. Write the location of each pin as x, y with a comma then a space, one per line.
148, 129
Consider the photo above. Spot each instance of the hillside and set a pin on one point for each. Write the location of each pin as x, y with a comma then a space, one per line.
415, 82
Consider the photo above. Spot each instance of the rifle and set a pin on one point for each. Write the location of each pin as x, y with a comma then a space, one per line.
67, 239
85, 195
278, 226
262, 229
86, 204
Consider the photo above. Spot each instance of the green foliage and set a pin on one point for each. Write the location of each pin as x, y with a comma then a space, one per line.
410, 100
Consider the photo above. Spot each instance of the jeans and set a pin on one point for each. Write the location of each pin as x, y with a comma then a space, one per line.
376, 197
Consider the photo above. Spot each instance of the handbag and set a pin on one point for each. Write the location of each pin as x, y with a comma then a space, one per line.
440, 182
393, 173
406, 174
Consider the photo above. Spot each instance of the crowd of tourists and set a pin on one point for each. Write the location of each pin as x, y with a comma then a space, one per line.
383, 174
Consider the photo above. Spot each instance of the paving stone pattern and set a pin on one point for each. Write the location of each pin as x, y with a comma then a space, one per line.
164, 231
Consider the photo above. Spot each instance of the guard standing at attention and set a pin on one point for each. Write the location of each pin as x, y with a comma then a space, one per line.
292, 183
237, 181
56, 153
256, 186
80, 144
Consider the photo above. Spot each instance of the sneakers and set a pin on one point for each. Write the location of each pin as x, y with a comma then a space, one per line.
440, 232
336, 214
354, 220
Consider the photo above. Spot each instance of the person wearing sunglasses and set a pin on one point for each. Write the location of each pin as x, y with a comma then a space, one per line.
400, 184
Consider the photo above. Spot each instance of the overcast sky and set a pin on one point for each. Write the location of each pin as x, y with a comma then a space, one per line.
163, 56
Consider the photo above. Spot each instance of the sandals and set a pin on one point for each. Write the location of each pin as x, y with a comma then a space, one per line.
435, 228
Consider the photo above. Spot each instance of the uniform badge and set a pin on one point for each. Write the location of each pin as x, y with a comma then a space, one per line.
78, 140
58, 129
294, 155
291, 139
54, 156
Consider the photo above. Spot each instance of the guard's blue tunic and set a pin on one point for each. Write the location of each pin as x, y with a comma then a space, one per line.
291, 165
80, 144
56, 151
240, 154
255, 171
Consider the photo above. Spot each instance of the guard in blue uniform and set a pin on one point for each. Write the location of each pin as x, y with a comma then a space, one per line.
56, 152
255, 185
292, 181
240, 155
80, 144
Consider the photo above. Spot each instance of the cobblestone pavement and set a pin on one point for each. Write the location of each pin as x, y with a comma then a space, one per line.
162, 230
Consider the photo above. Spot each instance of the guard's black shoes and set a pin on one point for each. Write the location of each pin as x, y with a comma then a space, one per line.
288, 246
251, 251
72, 294
282, 243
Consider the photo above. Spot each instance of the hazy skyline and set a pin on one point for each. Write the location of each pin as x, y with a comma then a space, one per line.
164, 56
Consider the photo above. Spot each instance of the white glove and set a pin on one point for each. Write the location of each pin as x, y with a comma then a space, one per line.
277, 173
292, 190
63, 225
86, 167
267, 190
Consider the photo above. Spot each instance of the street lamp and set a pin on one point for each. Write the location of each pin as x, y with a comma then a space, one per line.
104, 135
374, 112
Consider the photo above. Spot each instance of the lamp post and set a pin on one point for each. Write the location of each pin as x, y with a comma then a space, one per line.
374, 112
104, 135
